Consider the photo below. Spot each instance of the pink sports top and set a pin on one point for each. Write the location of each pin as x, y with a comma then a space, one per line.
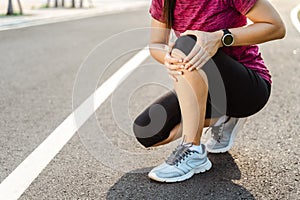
213, 15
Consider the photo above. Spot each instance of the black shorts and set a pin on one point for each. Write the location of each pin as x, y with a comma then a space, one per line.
234, 90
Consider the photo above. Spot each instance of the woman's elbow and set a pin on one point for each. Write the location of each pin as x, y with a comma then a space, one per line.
152, 52
280, 30
158, 52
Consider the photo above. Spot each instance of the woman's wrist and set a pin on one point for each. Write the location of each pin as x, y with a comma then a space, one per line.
218, 36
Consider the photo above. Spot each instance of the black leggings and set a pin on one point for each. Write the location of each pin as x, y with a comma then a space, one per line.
234, 90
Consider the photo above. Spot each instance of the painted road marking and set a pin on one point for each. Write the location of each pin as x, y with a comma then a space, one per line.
20, 179
294, 17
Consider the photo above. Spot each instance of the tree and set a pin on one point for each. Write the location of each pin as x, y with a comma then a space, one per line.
20, 7
10, 10
48, 4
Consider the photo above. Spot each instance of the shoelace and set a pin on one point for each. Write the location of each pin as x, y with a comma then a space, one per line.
216, 132
180, 153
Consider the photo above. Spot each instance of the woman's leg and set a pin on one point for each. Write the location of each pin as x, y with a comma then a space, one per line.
192, 91
149, 133
155, 123
189, 157
176, 132
189, 86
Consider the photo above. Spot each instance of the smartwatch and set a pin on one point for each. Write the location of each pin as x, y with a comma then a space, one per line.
227, 39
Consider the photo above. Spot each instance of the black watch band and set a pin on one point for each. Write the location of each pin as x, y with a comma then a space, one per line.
226, 31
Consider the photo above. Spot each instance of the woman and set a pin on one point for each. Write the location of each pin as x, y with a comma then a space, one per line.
219, 77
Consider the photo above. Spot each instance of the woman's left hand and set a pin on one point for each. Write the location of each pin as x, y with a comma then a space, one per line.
206, 47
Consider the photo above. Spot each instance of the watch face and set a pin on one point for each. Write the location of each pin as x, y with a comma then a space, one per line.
228, 39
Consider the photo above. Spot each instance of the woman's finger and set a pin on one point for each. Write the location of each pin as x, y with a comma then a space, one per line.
193, 52
195, 58
171, 66
172, 60
202, 61
200, 65
192, 68
196, 64
175, 72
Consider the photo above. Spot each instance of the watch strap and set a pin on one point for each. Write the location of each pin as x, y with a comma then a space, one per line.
226, 31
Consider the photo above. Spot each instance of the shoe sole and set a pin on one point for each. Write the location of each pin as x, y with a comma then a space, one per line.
202, 168
235, 130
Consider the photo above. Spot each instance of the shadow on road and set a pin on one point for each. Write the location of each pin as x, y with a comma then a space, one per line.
214, 184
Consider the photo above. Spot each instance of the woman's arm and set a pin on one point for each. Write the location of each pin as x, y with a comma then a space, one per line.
267, 25
160, 50
159, 40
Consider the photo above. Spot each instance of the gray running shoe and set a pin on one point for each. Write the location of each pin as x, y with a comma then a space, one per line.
222, 137
181, 165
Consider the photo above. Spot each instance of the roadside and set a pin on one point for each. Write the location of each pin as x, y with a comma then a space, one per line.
295, 17
36, 14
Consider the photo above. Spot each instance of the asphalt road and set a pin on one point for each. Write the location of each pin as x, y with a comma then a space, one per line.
38, 70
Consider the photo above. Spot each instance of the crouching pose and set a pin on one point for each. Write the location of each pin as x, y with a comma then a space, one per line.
219, 78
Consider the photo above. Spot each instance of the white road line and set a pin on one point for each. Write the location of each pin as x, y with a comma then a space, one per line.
21, 178
294, 17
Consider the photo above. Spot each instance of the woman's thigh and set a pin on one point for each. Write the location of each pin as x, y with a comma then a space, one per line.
243, 90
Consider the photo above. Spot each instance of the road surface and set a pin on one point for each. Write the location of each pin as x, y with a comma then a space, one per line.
38, 70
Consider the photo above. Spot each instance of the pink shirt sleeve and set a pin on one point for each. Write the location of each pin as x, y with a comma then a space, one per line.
156, 10
243, 6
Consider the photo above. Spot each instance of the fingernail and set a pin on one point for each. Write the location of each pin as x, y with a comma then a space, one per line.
180, 60
190, 69
180, 73
181, 66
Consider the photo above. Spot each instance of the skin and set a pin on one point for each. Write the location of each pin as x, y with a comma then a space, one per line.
190, 81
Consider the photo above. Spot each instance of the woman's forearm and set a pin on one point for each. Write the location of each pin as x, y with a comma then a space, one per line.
257, 33
267, 25
158, 51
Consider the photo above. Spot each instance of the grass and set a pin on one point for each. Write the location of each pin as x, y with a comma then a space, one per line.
14, 14
44, 6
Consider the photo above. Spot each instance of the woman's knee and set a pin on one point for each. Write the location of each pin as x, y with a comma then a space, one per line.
139, 130
149, 132
155, 122
185, 44
144, 131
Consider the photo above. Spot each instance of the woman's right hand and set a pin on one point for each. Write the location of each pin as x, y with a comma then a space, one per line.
173, 64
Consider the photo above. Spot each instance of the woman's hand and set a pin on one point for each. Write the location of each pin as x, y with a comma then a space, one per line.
173, 64
206, 47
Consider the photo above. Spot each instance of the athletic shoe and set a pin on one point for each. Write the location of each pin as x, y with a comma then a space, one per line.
222, 136
181, 165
